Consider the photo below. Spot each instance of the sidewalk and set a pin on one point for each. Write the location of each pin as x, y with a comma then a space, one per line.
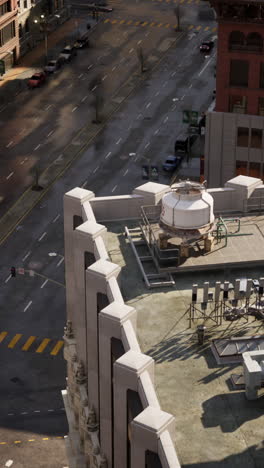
13, 82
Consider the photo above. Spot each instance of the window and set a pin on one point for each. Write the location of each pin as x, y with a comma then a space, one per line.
242, 136
238, 104
256, 138
238, 73
261, 75
241, 168
236, 40
5, 8
261, 106
254, 42
254, 170
25, 4
7, 33
27, 25
20, 30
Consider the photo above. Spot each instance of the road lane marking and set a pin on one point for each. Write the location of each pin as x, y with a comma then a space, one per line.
43, 284
114, 188
22, 162
174, 73
36, 411
80, 75
26, 256
114, 68
27, 345
29, 304
50, 133
57, 348
183, 97
37, 147
156, 131
104, 77
9, 463
47, 108
90, 66
126, 171
118, 141
55, 219
43, 235
131, 50
9, 144
7, 279
139, 42
10, 175
149, 104
147, 144
60, 261
2, 336
40, 349
165, 120
74, 109
108, 154
164, 84
96, 169
70, 85
84, 99
85, 183
157, 93
14, 341
94, 87
190, 86
206, 65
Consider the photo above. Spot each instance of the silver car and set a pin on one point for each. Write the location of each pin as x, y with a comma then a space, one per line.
52, 66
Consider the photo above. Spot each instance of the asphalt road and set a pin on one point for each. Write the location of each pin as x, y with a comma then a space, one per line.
146, 126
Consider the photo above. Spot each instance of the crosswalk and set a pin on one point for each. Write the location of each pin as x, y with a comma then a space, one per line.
156, 24
32, 343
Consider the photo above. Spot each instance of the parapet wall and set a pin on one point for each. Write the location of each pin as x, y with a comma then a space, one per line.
111, 404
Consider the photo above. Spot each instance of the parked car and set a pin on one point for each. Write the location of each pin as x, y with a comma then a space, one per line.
52, 66
104, 9
67, 53
81, 43
171, 163
206, 46
37, 80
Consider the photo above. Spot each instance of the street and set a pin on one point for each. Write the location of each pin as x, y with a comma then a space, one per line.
36, 128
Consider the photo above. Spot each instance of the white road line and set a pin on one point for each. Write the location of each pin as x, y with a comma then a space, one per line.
173, 73
43, 235
37, 411
84, 99
10, 414
139, 42
108, 154
29, 304
183, 97
50, 133
157, 93
55, 219
24, 412
60, 262
118, 141
94, 87
9, 144
3, 108
149, 104
98, 58
7, 279
114, 68
165, 120
10, 175
90, 66
84, 184
126, 171
156, 131
96, 169
104, 77
206, 65
80, 75
47, 108
37, 147
139, 116
147, 144
9, 463
70, 86
114, 188
74, 109
131, 50
26, 256
50, 410
43, 284
164, 84
190, 86
22, 162
147, 33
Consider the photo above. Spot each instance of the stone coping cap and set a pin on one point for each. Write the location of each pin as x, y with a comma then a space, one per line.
152, 187
80, 193
91, 228
153, 419
244, 181
134, 360
117, 311
104, 268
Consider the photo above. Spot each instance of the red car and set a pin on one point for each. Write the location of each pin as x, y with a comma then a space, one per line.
37, 80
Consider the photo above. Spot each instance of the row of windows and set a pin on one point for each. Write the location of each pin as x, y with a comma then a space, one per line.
238, 105
249, 138
7, 33
239, 41
239, 72
251, 169
5, 8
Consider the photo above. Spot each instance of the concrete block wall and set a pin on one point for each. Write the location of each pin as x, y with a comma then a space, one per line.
104, 360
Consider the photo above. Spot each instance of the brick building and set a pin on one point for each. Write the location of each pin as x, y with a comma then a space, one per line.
234, 130
9, 41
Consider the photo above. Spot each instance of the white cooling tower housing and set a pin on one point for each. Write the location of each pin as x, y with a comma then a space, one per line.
187, 207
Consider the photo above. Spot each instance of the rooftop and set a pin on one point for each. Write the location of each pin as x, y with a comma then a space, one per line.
216, 426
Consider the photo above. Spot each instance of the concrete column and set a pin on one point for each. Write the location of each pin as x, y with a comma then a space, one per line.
111, 320
97, 279
73, 201
127, 370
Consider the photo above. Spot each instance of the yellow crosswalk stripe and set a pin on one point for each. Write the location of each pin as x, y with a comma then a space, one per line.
152, 24
122, 21
136, 23
129, 22
159, 25
14, 341
114, 21
206, 29
2, 336
43, 345
198, 28
191, 26
144, 24
57, 347
107, 20
214, 29
28, 343
167, 25
181, 1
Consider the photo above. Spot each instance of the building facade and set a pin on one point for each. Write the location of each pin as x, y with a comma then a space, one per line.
9, 40
234, 141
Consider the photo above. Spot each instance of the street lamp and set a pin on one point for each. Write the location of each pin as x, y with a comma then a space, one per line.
44, 24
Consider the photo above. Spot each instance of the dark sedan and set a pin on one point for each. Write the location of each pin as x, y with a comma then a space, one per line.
206, 46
